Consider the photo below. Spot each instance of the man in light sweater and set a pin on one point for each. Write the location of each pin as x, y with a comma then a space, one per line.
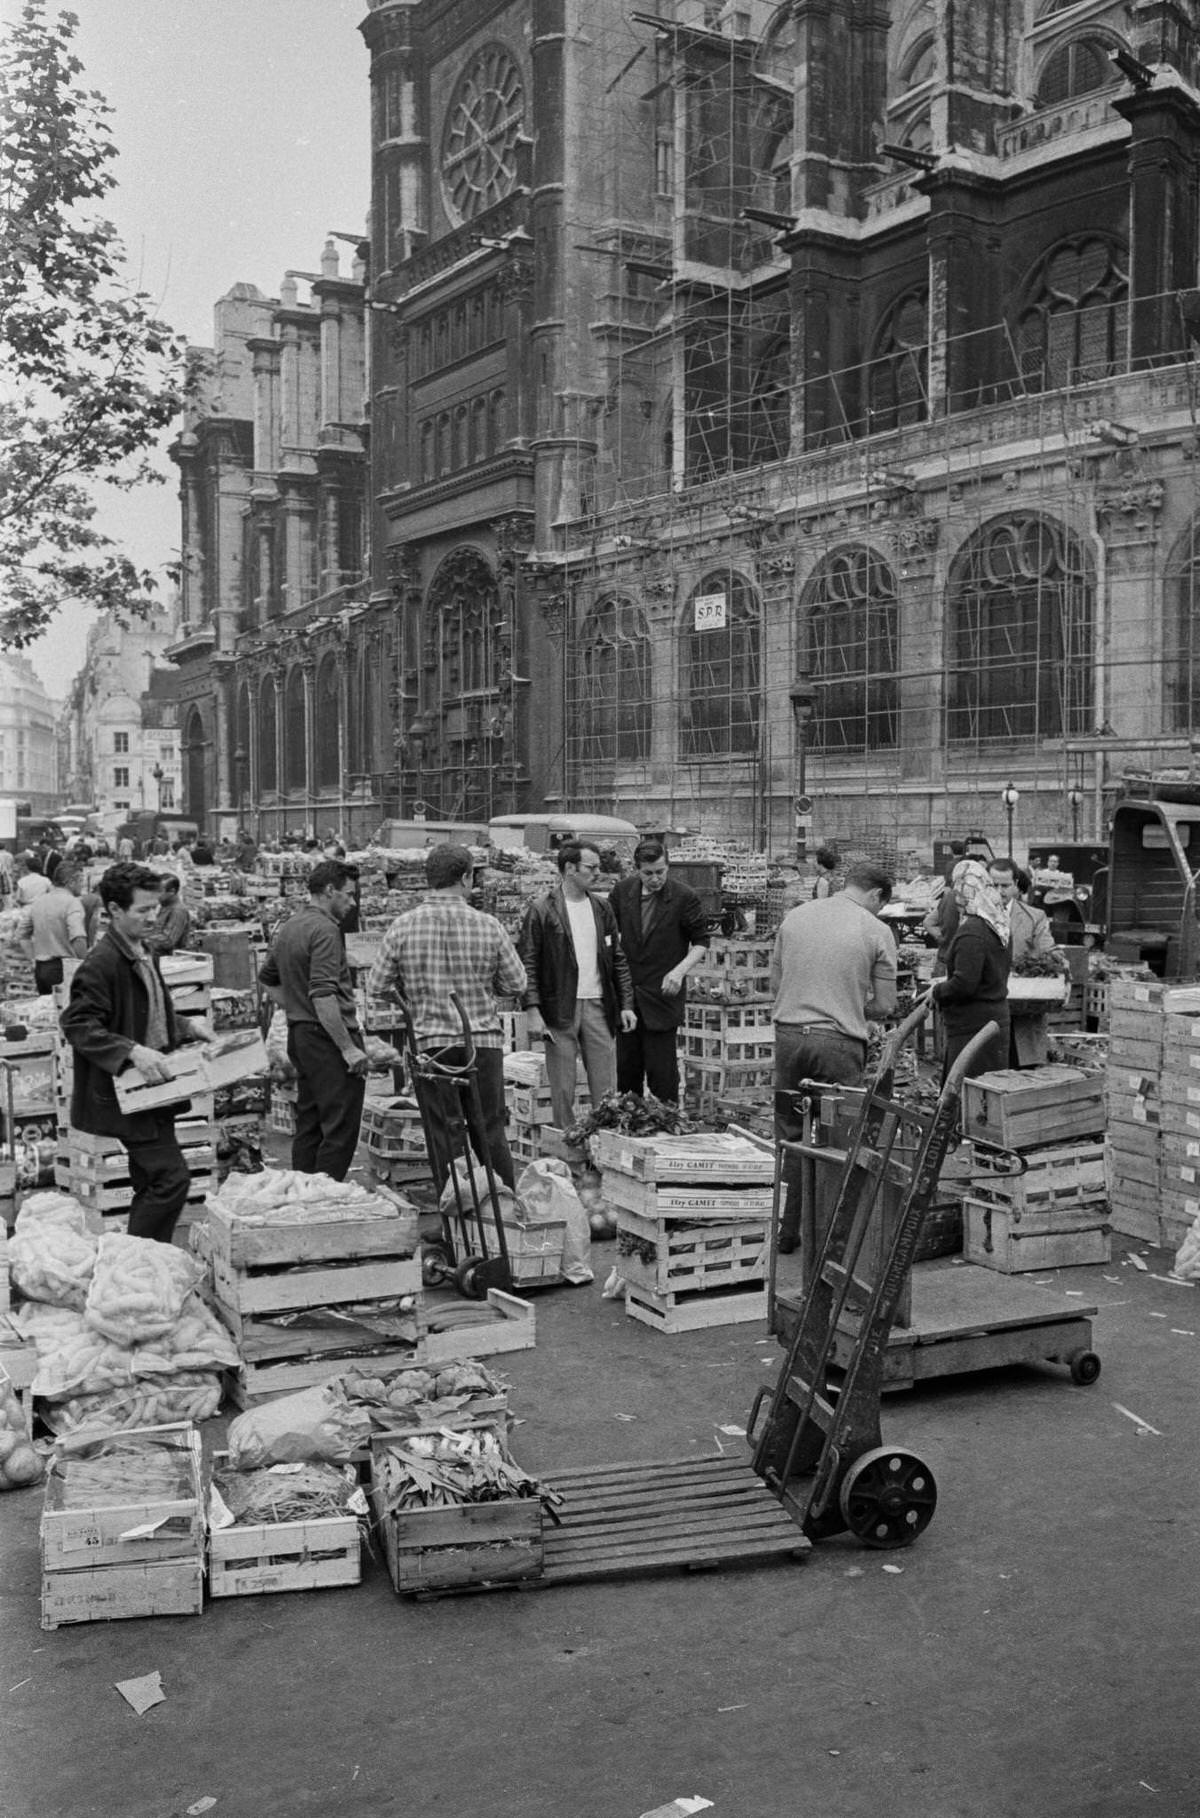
833, 968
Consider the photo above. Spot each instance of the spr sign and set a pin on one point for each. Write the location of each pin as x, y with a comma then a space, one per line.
710, 612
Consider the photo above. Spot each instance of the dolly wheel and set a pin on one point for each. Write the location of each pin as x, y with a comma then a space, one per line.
437, 1264
468, 1278
888, 1497
1084, 1366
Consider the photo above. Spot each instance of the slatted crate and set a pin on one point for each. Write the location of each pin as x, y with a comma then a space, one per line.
253, 1558
668, 1258
738, 1021
453, 1548
391, 1130
1056, 1177
998, 1239
122, 1592
706, 1082
695, 1204
281, 1110
140, 1529
1017, 1109
701, 1158
730, 1049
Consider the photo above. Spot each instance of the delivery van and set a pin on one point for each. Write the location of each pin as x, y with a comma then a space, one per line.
403, 836
547, 832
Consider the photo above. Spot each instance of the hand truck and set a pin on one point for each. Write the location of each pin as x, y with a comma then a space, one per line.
445, 1084
821, 1449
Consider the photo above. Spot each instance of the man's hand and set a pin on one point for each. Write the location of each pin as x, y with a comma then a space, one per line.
536, 1024
151, 1065
673, 983
628, 1021
356, 1061
199, 1030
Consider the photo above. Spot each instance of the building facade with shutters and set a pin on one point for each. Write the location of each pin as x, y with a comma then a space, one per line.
782, 400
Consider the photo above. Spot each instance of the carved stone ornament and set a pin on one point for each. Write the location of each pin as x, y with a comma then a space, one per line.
915, 537
402, 570
1132, 508
553, 608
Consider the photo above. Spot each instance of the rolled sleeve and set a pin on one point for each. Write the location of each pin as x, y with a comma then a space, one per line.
510, 978
325, 963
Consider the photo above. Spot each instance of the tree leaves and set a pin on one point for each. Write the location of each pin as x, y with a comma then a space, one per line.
92, 375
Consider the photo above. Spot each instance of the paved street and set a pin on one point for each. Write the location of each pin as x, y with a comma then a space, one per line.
1035, 1655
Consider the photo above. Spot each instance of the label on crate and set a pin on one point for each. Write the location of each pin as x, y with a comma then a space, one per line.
79, 1533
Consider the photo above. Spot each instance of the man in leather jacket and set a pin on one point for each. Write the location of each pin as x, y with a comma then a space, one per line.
579, 988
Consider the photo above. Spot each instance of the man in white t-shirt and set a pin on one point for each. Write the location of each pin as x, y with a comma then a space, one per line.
579, 989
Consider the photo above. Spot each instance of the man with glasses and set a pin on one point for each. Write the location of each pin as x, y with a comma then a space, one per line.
579, 988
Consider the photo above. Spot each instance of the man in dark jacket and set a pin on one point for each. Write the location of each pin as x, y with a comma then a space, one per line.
120, 1015
664, 932
579, 985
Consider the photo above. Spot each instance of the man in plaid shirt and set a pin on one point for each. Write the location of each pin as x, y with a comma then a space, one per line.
442, 946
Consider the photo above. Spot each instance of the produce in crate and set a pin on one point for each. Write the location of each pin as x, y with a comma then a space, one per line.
423, 1397
20, 1465
278, 1493
443, 1470
116, 1470
633, 1115
283, 1196
150, 1402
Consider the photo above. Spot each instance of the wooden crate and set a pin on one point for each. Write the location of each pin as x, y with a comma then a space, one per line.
1066, 1176
198, 1067
71, 1538
241, 1245
391, 1129
474, 1329
535, 1252
998, 1240
123, 1592
691, 1313
706, 1157
117, 1195
1126, 1162
246, 1561
662, 1199
689, 1259
242, 1295
453, 1548
1017, 1109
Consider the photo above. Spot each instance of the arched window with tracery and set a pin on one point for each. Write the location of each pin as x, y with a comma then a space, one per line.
898, 381
851, 648
239, 754
195, 767
1078, 67
720, 680
326, 724
295, 732
268, 768
1181, 636
465, 657
611, 685
1020, 612
770, 406
1072, 326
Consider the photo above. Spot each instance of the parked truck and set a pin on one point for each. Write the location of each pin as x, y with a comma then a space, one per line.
1153, 871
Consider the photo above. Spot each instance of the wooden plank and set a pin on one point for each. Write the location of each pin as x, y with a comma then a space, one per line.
242, 1296
699, 1158
660, 1200
248, 1560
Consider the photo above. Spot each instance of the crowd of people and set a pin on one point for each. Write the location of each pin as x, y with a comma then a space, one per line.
603, 978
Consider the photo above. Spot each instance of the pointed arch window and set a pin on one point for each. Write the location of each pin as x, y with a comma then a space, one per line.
720, 680
1078, 67
1072, 328
326, 724
1020, 625
1181, 639
898, 384
611, 684
852, 646
268, 769
295, 732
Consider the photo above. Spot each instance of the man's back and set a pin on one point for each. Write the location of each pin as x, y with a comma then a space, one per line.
58, 918
444, 946
832, 958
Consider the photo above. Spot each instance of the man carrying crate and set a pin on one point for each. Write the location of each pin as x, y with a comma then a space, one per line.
119, 1015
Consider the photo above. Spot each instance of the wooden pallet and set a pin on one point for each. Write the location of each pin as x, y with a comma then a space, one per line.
691, 1313
681, 1514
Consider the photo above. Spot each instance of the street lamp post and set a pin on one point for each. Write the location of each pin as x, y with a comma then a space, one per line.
158, 773
802, 699
1075, 802
1010, 796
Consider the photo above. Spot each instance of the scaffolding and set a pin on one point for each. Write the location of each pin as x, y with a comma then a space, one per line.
943, 543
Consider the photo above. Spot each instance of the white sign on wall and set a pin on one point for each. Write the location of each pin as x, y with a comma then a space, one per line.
711, 612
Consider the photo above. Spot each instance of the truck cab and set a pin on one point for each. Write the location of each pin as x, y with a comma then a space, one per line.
1070, 882
1154, 862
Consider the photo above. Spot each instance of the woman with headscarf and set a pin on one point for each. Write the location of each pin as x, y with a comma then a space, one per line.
974, 991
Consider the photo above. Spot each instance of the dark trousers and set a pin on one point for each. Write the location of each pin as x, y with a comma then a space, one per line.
803, 1052
647, 1059
450, 1115
329, 1102
47, 974
994, 1056
160, 1183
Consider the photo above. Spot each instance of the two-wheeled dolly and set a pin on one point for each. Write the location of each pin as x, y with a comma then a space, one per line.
821, 1448
445, 1084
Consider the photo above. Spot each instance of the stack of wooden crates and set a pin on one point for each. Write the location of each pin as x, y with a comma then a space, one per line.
728, 1040
1152, 1090
693, 1217
1038, 1196
95, 1169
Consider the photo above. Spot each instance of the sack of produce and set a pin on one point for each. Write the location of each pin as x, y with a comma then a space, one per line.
72, 1358
138, 1288
150, 1402
41, 1209
462, 1172
546, 1191
20, 1465
316, 1425
197, 1341
53, 1262
1187, 1258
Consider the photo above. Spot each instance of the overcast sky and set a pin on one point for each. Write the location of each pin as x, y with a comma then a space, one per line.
243, 132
